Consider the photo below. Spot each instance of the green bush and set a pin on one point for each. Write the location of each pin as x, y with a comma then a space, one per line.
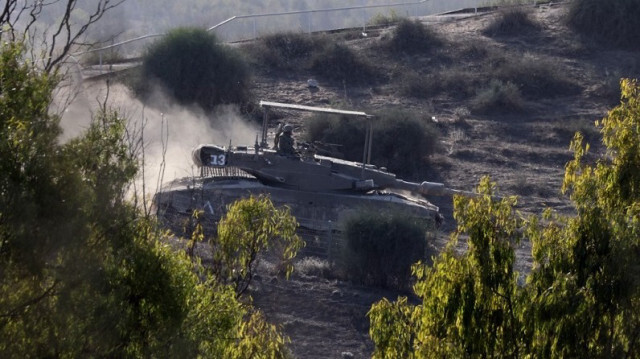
401, 141
412, 36
615, 22
380, 248
498, 97
511, 21
195, 68
339, 63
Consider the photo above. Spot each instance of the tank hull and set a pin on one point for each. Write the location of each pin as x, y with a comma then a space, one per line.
318, 213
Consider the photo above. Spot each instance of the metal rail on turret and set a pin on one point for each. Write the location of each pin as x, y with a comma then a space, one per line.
368, 141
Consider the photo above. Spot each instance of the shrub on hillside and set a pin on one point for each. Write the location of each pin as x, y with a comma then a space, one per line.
498, 97
344, 131
340, 63
616, 22
314, 53
286, 50
401, 141
456, 81
536, 77
412, 36
380, 248
510, 22
195, 68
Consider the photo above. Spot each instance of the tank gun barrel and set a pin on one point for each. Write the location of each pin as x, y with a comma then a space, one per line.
431, 188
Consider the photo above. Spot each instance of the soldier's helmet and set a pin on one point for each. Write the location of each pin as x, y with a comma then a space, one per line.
287, 128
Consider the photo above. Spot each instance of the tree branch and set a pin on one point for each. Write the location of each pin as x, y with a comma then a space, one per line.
13, 312
66, 34
71, 37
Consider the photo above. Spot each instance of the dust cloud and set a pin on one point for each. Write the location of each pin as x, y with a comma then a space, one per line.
168, 132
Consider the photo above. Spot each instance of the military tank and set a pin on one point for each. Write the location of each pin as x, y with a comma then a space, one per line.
320, 190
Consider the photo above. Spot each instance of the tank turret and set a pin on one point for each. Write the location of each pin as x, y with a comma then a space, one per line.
310, 172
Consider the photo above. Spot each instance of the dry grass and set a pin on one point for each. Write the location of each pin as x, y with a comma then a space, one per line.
460, 115
455, 137
314, 267
340, 63
456, 81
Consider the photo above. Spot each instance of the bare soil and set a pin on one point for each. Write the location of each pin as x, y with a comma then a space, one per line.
523, 152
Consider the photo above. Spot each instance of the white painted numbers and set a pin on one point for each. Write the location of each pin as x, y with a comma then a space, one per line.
218, 160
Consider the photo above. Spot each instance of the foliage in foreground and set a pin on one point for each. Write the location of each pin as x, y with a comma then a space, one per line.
582, 297
82, 272
250, 227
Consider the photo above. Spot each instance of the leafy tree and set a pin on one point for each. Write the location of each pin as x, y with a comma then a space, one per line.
196, 68
582, 297
469, 301
82, 271
249, 227
585, 289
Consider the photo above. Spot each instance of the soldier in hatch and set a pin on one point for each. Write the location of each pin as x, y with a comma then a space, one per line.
285, 142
